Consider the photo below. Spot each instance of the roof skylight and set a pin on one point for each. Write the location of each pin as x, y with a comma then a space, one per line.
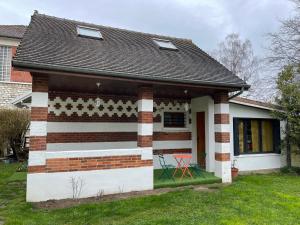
89, 32
164, 44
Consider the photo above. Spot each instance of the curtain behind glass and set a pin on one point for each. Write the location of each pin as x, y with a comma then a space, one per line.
267, 136
241, 136
255, 135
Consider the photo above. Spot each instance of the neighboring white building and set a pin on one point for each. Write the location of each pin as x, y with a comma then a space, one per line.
13, 83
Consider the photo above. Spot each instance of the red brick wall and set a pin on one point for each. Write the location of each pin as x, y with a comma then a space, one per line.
221, 118
19, 76
95, 163
222, 137
222, 156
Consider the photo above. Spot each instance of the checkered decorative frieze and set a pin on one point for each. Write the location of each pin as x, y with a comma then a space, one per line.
70, 106
80, 107
172, 106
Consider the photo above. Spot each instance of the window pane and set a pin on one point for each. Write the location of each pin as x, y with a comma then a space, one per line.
252, 135
174, 119
255, 135
5, 63
89, 32
164, 44
241, 136
267, 136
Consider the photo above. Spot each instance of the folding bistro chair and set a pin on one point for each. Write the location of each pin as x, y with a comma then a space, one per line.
166, 168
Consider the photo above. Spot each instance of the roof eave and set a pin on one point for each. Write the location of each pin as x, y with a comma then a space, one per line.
25, 65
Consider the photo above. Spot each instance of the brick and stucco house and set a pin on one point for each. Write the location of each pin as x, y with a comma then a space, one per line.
106, 101
13, 83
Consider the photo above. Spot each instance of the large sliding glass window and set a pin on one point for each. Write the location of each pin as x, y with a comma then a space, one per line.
5, 63
253, 136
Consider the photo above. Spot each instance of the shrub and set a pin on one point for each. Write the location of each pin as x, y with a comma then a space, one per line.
13, 126
290, 170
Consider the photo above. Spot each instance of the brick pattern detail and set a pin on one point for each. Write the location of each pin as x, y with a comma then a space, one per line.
37, 169
39, 83
39, 113
172, 151
113, 137
38, 143
91, 137
222, 156
19, 76
221, 97
95, 118
145, 141
222, 137
145, 93
80, 107
222, 118
172, 136
95, 163
145, 117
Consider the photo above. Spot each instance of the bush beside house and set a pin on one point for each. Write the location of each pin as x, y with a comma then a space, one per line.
14, 125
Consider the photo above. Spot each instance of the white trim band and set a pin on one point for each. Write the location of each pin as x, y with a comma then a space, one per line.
97, 153
36, 158
145, 105
222, 147
222, 128
82, 127
222, 108
39, 99
38, 128
84, 146
145, 129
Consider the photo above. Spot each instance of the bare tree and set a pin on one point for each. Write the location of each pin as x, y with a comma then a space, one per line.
237, 56
285, 43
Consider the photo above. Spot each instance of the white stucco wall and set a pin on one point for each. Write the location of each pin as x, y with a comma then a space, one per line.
93, 182
254, 161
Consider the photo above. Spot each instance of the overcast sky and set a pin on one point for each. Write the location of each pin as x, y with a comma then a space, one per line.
206, 22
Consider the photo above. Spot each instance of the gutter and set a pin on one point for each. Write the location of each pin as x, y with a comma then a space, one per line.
237, 94
30, 65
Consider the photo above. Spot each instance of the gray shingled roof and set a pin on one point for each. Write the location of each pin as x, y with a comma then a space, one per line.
12, 31
52, 43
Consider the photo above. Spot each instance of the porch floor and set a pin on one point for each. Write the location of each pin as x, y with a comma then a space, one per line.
204, 178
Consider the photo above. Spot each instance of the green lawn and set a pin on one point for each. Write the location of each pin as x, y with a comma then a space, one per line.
255, 199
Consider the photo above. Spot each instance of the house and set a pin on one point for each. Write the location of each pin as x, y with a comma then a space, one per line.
13, 83
106, 101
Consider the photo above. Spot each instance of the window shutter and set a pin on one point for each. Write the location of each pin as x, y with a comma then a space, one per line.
236, 136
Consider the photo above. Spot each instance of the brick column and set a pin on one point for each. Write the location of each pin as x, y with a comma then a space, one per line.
145, 117
38, 125
222, 137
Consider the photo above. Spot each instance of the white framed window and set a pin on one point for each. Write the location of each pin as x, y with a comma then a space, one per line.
164, 44
89, 32
5, 63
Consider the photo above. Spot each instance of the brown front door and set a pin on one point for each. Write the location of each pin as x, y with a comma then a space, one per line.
201, 139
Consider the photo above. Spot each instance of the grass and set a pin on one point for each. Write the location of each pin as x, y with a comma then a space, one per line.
204, 178
253, 199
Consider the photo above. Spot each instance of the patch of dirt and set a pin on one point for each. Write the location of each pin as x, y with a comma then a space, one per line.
64, 203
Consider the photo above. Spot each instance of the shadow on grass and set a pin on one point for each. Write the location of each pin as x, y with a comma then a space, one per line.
203, 178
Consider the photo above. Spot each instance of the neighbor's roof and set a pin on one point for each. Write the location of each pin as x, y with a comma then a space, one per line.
254, 103
52, 43
12, 31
